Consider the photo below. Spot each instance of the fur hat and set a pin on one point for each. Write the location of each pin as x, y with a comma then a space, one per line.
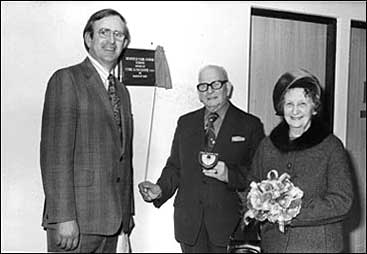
298, 78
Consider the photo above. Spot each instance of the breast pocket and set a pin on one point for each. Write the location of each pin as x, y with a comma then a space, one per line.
239, 148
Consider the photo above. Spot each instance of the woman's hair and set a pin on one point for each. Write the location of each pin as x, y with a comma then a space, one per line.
100, 15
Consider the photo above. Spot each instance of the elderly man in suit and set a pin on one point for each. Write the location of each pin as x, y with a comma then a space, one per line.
86, 145
207, 207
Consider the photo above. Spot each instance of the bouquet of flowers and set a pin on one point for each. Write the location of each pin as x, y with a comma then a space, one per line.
275, 199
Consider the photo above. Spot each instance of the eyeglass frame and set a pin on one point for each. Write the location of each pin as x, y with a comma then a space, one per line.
106, 33
222, 82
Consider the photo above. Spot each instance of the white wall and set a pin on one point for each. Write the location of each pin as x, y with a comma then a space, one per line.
39, 37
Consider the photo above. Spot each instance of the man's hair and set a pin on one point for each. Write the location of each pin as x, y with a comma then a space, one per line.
217, 67
100, 15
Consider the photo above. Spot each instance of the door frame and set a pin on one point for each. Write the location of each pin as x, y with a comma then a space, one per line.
362, 25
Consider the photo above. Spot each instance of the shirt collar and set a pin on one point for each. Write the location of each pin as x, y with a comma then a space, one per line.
103, 73
221, 111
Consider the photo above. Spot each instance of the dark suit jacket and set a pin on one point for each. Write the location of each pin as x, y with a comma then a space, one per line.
204, 198
86, 167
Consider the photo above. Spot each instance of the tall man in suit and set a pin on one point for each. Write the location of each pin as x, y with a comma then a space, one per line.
86, 145
207, 207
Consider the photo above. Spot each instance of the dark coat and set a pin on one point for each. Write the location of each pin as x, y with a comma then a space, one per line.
204, 198
86, 166
317, 163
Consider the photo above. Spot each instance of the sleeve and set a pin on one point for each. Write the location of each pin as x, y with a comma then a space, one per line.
337, 201
170, 177
57, 147
238, 174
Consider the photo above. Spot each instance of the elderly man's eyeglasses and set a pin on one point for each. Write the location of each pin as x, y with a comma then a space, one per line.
216, 85
106, 33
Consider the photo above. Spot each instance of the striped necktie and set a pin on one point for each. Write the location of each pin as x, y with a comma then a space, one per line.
115, 100
210, 133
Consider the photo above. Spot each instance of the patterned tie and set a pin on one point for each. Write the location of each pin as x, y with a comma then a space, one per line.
210, 133
115, 100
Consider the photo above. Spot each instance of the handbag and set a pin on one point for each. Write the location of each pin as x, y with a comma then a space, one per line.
245, 238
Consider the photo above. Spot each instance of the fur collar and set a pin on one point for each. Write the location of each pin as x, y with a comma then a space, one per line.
313, 136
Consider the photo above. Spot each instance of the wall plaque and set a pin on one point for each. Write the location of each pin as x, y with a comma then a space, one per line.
138, 67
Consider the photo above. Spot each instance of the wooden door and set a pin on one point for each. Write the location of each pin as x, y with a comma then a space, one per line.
281, 42
356, 135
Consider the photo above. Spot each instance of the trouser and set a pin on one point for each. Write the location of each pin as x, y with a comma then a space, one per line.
203, 244
87, 243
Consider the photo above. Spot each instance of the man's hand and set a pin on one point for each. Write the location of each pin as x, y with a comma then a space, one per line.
149, 191
67, 235
220, 172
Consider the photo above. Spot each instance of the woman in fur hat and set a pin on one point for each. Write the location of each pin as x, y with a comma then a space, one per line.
317, 163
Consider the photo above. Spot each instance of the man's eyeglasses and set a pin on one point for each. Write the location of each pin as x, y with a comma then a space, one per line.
106, 33
216, 85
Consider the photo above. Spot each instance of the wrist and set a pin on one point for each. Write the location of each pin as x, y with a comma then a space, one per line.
159, 192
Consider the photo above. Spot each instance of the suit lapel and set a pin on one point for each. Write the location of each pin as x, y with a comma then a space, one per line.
195, 132
125, 112
228, 125
200, 132
96, 84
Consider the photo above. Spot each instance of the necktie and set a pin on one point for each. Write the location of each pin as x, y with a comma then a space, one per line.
115, 100
210, 133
